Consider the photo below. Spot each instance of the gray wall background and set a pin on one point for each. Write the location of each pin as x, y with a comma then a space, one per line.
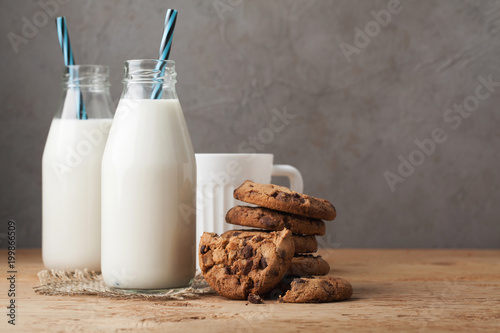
353, 118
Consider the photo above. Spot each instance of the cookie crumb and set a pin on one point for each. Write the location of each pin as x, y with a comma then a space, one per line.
255, 299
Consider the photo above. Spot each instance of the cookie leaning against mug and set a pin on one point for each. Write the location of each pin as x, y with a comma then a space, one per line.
285, 200
238, 264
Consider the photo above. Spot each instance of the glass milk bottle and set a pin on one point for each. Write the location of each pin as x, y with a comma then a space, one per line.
148, 185
71, 171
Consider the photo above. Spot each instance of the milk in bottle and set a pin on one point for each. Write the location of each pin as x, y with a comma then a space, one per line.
148, 185
71, 171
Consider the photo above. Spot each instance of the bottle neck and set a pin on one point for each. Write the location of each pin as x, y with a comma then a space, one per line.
149, 89
84, 77
85, 93
149, 79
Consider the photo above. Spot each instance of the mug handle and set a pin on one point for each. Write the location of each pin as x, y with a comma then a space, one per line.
293, 175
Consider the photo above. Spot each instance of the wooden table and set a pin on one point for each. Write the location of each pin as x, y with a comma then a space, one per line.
394, 290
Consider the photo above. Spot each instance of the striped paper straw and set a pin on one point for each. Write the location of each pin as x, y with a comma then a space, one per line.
62, 32
166, 46
168, 32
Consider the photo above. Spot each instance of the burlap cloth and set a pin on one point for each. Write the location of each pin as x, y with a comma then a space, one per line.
83, 282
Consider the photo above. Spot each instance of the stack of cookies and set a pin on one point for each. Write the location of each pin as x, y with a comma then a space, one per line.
282, 208
243, 264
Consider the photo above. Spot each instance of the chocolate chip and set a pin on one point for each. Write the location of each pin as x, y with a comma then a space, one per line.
282, 254
247, 251
236, 233
282, 196
227, 270
299, 280
263, 263
203, 249
297, 197
254, 299
267, 221
257, 239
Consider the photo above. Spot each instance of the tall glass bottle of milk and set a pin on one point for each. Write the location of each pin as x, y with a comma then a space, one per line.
71, 171
148, 185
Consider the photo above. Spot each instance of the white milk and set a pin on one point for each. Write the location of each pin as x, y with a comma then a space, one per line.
71, 204
148, 197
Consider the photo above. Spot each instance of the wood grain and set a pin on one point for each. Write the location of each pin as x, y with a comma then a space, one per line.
396, 290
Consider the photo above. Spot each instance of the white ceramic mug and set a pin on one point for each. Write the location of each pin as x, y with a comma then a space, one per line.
217, 177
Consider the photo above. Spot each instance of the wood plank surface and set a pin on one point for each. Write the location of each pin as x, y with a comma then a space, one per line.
394, 290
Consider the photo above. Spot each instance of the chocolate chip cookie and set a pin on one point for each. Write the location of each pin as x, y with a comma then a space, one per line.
318, 290
302, 243
307, 264
264, 218
285, 200
238, 264
305, 244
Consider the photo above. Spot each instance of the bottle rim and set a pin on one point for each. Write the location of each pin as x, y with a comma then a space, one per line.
149, 70
85, 75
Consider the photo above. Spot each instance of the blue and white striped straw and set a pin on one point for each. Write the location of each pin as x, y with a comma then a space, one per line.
62, 32
168, 32
165, 46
